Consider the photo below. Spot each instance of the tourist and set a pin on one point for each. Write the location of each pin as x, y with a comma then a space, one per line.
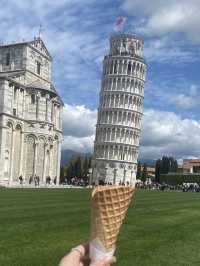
21, 180
48, 180
38, 181
30, 179
78, 257
35, 180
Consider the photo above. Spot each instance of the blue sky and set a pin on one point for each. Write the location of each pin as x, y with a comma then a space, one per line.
76, 33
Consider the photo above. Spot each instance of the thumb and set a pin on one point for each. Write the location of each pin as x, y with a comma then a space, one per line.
104, 262
110, 261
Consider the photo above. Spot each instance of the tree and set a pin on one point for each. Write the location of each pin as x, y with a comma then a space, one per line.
173, 165
85, 167
144, 172
139, 170
62, 174
70, 171
90, 162
78, 167
158, 170
164, 166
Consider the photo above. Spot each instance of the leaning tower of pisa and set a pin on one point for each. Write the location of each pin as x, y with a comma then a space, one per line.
120, 111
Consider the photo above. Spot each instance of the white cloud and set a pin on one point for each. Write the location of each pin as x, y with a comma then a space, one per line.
165, 49
186, 100
163, 17
84, 144
78, 121
163, 133
78, 128
77, 48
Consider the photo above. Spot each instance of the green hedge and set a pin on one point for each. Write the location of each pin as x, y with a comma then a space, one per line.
178, 179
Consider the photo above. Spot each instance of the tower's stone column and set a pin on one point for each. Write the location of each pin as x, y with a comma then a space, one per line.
120, 111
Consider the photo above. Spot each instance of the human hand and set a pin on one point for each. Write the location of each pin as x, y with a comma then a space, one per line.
79, 257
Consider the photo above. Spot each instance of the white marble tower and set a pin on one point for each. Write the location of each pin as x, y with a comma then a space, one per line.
120, 111
30, 114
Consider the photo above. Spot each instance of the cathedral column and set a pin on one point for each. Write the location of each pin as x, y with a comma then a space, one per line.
45, 162
11, 158
22, 155
58, 166
35, 158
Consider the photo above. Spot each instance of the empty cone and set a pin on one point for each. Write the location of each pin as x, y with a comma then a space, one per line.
109, 207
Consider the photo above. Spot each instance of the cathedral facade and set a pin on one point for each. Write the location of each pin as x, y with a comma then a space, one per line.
30, 114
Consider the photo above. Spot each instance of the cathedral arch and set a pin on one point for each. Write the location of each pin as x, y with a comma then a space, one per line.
8, 148
19, 126
54, 162
7, 163
47, 170
30, 155
40, 156
17, 144
10, 124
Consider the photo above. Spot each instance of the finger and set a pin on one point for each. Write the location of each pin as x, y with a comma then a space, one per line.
110, 261
104, 262
86, 247
81, 249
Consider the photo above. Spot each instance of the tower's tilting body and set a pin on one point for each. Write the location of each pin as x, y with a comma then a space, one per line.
120, 111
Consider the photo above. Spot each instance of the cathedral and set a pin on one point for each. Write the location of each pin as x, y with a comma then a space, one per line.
30, 114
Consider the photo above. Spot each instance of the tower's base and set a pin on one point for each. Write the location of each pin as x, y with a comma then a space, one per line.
114, 172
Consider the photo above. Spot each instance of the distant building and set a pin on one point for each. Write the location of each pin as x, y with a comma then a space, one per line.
150, 170
191, 166
120, 111
30, 114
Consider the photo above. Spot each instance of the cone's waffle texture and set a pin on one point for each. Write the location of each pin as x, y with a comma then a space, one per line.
109, 206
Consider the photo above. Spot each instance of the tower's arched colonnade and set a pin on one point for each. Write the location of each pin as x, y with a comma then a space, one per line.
120, 111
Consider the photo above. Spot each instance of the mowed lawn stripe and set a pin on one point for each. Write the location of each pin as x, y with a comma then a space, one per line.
38, 226
54, 220
162, 229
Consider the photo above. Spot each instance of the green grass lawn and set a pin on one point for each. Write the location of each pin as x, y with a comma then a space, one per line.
37, 227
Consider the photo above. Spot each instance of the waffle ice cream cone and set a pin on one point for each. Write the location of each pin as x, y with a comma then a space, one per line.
109, 207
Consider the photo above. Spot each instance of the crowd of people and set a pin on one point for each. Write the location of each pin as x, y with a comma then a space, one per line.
75, 181
35, 179
84, 182
185, 187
